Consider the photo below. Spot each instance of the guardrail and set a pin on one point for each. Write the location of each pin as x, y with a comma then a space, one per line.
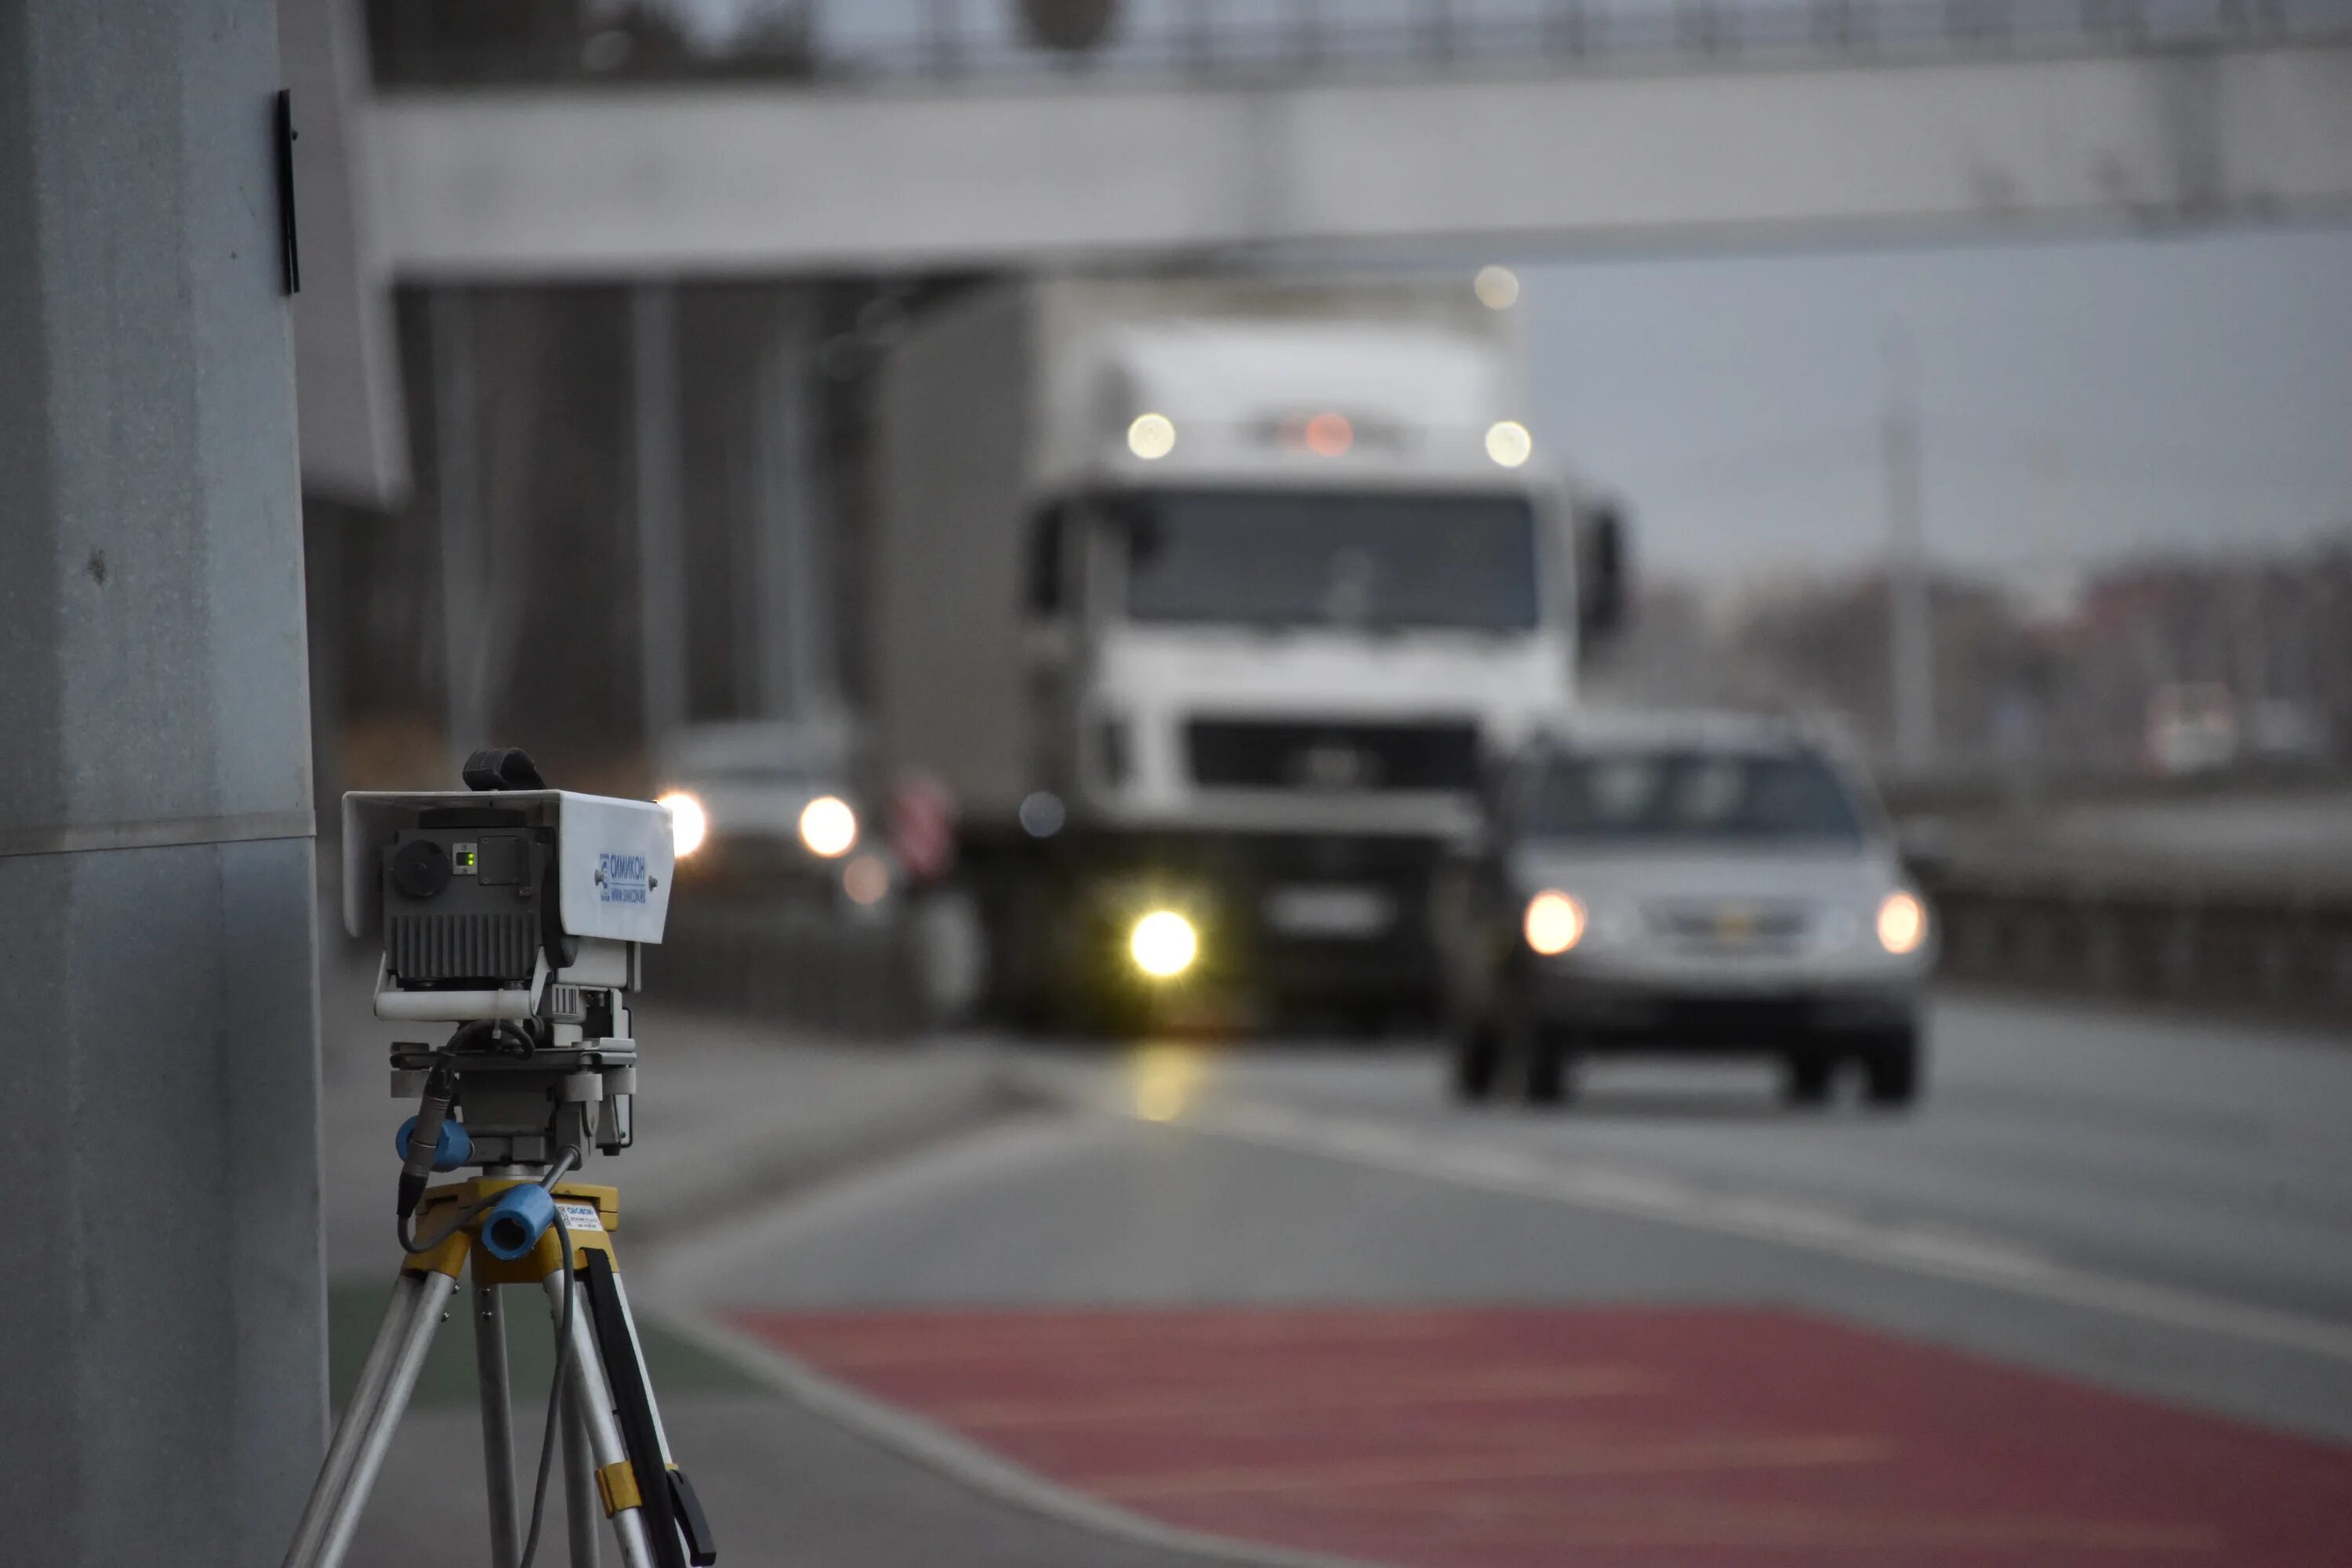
2279, 952
848, 42
802, 964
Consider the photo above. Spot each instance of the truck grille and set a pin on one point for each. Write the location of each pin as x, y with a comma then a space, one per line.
1255, 753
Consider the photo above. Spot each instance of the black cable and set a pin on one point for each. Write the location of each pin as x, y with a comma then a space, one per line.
465, 1218
549, 1436
433, 1107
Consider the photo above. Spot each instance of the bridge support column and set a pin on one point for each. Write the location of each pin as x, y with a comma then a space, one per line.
162, 1371
659, 515
792, 611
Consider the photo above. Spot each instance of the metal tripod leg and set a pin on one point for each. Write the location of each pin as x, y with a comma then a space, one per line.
365, 1432
682, 1536
497, 1389
638, 1349
581, 1505
591, 1394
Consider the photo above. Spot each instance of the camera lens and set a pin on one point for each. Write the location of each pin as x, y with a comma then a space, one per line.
420, 869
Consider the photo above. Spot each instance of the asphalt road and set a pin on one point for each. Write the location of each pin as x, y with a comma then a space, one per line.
2133, 1231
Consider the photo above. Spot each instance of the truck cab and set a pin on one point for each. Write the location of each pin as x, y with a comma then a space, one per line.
1290, 567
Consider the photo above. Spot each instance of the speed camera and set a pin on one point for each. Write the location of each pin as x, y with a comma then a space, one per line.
484, 899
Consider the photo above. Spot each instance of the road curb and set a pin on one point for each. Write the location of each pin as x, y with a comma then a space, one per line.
990, 1092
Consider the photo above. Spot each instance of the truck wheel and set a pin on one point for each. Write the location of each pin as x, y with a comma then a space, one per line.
1477, 1056
1891, 1063
1808, 1073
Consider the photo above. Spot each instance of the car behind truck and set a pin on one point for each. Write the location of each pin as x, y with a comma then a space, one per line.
1688, 884
1205, 600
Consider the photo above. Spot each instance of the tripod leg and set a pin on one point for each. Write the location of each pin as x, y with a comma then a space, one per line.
592, 1398
498, 1425
674, 1517
579, 1485
638, 1352
365, 1432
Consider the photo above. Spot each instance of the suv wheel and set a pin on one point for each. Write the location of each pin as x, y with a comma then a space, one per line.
1891, 1066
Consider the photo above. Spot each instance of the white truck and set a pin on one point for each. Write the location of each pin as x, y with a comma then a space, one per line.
1206, 601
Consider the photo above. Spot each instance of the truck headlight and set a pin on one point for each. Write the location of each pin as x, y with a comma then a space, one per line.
1553, 923
1901, 923
1163, 944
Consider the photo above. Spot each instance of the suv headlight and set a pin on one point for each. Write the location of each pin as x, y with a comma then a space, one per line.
1902, 923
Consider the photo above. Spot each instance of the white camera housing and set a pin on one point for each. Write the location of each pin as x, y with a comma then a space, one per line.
612, 861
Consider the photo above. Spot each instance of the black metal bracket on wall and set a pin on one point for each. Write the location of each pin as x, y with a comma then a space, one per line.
290, 248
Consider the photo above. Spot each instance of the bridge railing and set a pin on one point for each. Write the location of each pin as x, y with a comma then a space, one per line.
1222, 38
883, 42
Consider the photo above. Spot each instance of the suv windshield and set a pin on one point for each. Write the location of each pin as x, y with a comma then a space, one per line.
1709, 795
1295, 558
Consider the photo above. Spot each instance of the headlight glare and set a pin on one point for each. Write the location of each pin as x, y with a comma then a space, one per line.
1902, 923
1554, 923
828, 826
1163, 944
688, 823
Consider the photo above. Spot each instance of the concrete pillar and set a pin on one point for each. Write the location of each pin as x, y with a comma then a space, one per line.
792, 611
458, 507
163, 1368
659, 515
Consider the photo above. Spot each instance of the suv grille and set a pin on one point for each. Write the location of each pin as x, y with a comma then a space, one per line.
1731, 928
1253, 753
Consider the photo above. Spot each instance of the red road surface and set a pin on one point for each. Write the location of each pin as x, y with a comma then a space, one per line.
1519, 1438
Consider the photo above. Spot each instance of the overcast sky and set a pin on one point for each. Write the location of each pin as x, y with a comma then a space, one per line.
2080, 400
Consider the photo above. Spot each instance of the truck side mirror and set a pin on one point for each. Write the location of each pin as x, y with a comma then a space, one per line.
1497, 789
1604, 571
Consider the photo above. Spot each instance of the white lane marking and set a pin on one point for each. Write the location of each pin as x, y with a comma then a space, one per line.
1948, 1255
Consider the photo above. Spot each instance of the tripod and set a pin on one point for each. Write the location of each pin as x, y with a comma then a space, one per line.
517, 1224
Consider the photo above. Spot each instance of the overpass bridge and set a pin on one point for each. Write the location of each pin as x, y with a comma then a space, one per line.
1631, 124
890, 141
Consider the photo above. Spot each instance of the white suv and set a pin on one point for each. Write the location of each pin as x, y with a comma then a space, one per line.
1705, 885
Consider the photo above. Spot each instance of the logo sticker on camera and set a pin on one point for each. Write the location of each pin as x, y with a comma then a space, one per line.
621, 878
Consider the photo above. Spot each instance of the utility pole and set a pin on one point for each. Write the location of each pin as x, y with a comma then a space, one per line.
1910, 648
163, 1373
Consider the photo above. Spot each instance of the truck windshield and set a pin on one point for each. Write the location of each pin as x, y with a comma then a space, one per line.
1714, 796
1292, 558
